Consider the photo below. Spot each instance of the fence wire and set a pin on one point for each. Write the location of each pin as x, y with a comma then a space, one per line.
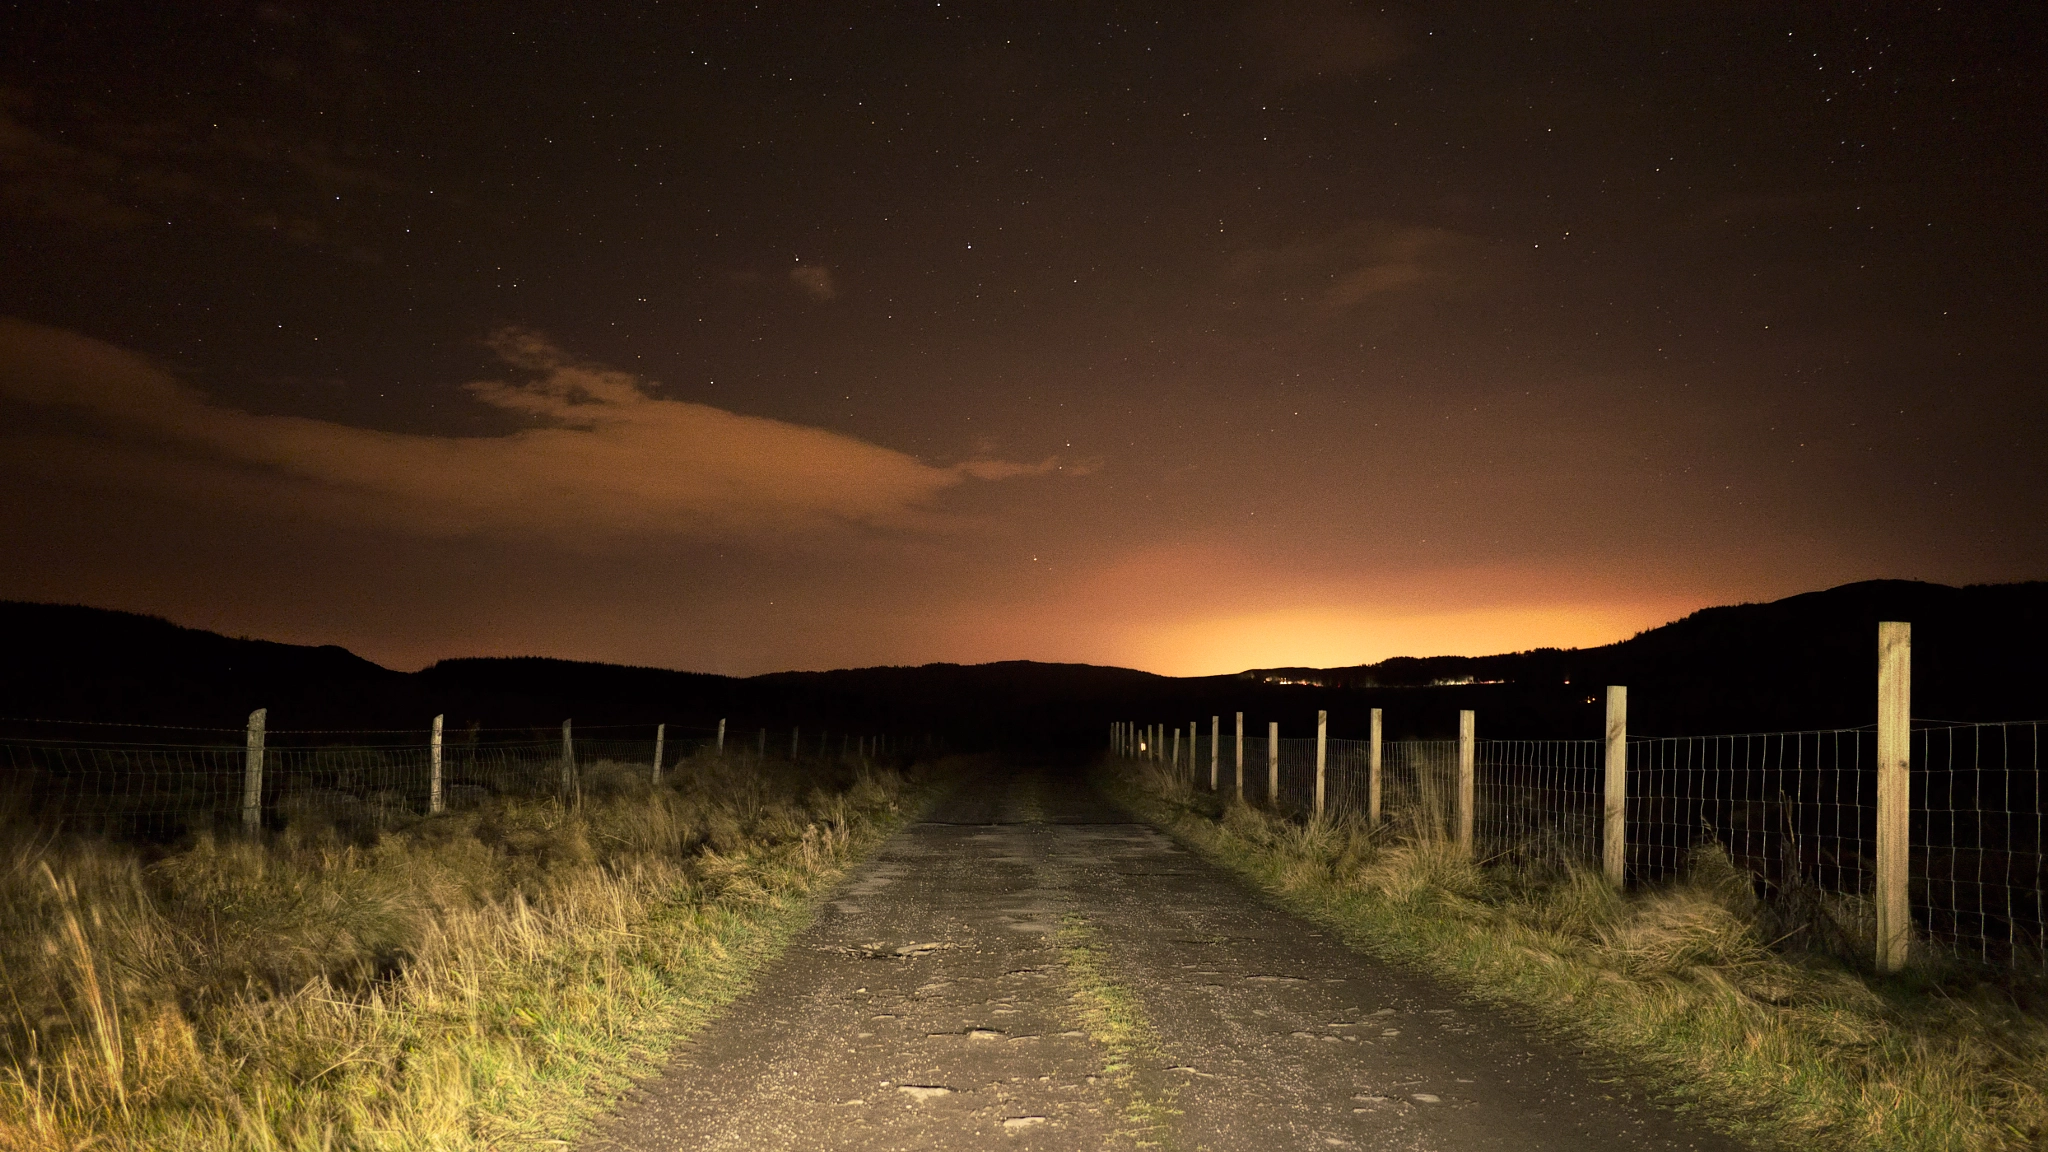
1978, 849
1794, 812
163, 791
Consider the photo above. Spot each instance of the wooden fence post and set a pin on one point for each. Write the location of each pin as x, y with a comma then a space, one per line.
1176, 755
1894, 792
1215, 748
795, 743
252, 773
660, 743
1372, 773
1614, 835
1614, 810
568, 761
1194, 749
1273, 764
1322, 758
721, 735
1468, 748
1240, 757
434, 770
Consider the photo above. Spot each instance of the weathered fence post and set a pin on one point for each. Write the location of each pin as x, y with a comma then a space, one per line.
1372, 773
252, 774
1468, 748
434, 770
721, 735
1894, 792
1614, 837
795, 743
660, 741
1176, 755
1322, 759
1215, 751
568, 761
1273, 764
1194, 749
1240, 757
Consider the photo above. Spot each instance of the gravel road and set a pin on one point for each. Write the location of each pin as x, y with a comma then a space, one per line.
1029, 969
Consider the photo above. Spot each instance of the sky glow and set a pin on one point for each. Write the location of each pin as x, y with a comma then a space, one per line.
1184, 338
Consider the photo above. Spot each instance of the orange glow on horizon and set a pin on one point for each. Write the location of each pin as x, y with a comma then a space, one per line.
1336, 637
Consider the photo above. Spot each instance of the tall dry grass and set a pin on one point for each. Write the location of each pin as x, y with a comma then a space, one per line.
480, 979
1692, 981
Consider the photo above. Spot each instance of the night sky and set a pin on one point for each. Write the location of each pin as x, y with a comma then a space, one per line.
1189, 338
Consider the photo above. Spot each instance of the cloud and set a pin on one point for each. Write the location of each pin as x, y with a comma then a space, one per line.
1338, 271
816, 280
1305, 40
44, 180
603, 455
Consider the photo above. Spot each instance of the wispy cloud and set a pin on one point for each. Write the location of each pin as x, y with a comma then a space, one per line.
815, 280
1303, 40
1335, 272
603, 454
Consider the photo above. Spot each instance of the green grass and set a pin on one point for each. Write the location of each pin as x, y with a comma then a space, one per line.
1798, 1050
1117, 1023
486, 979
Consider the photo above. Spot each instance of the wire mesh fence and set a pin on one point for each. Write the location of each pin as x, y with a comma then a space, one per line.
1979, 841
165, 783
1795, 812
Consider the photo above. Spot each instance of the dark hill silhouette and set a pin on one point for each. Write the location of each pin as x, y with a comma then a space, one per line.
72, 663
1807, 661
1803, 662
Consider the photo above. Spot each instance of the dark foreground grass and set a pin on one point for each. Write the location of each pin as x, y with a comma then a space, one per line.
1785, 1049
488, 979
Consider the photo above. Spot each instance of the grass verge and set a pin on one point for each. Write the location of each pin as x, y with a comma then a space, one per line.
1116, 1022
1783, 1049
478, 980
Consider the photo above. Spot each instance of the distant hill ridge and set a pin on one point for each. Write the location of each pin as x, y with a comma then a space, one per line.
1804, 661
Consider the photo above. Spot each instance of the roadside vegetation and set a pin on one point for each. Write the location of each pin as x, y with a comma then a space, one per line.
1689, 981
482, 979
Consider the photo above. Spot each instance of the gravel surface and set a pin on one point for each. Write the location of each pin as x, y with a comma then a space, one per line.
937, 1002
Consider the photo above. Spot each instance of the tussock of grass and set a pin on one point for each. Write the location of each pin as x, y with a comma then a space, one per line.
480, 979
1783, 1047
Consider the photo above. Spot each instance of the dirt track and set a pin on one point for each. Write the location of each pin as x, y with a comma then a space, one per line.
1028, 969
